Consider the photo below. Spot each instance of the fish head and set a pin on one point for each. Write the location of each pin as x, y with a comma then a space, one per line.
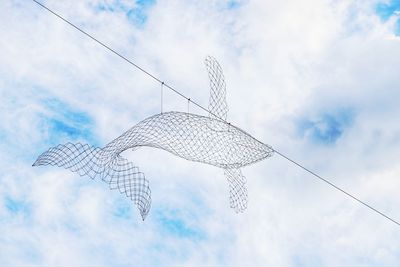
259, 151
247, 149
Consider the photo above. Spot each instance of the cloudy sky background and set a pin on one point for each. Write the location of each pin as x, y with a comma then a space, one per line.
317, 80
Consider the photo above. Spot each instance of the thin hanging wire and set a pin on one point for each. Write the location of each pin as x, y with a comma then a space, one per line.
162, 89
336, 187
210, 112
122, 57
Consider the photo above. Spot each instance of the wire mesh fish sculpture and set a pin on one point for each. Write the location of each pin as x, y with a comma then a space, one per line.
209, 140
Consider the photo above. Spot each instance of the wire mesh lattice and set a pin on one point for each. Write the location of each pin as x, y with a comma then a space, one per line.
218, 104
119, 173
209, 140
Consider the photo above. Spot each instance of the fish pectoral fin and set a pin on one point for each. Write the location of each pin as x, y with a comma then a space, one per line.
237, 189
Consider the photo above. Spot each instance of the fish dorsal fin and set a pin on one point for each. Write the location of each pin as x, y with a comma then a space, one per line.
218, 107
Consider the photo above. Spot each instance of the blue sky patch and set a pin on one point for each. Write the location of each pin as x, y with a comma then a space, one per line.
397, 28
233, 4
66, 111
17, 206
64, 122
385, 10
173, 224
137, 14
60, 127
124, 209
327, 128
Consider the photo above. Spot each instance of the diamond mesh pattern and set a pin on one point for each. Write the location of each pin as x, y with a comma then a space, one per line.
218, 105
237, 189
210, 140
118, 173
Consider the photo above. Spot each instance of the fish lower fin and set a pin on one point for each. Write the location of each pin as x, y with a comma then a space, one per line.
238, 197
118, 172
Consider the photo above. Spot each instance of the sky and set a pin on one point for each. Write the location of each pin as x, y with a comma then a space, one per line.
317, 80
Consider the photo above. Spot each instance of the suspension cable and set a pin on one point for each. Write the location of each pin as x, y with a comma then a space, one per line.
207, 110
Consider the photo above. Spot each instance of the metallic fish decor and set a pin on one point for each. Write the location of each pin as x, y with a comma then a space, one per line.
206, 139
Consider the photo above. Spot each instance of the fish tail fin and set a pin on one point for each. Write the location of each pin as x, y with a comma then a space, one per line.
90, 161
80, 158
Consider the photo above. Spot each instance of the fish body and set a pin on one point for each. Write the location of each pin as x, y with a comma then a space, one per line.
206, 139
193, 137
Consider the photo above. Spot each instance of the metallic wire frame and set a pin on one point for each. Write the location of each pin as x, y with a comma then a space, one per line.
206, 139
